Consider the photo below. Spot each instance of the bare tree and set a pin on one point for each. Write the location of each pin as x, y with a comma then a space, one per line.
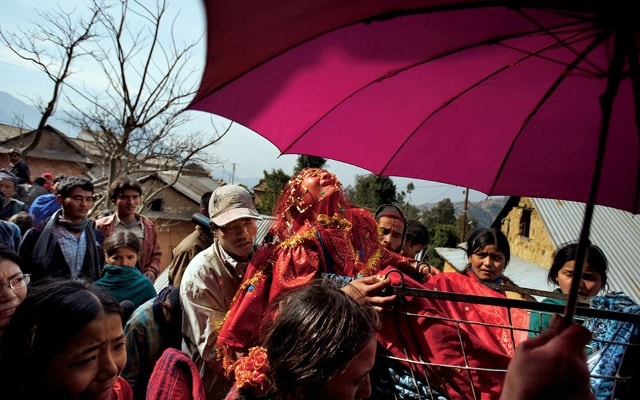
135, 122
52, 45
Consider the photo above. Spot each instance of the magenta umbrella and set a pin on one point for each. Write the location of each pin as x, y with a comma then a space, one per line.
528, 98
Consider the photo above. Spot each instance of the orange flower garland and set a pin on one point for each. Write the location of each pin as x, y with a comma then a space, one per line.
252, 371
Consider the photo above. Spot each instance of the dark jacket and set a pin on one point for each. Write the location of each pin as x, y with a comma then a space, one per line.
57, 265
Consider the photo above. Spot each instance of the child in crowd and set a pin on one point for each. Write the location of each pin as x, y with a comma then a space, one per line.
121, 278
594, 278
64, 342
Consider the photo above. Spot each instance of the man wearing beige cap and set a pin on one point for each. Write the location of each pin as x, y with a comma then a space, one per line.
212, 279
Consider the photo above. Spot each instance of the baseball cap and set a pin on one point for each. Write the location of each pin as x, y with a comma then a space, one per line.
8, 176
229, 203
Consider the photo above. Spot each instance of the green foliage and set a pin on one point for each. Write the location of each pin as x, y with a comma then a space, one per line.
305, 161
410, 187
409, 210
443, 236
443, 213
443, 230
371, 190
275, 181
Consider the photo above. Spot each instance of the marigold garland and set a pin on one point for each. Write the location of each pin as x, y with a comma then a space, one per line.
252, 371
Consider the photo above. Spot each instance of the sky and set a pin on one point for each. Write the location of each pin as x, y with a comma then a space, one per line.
242, 155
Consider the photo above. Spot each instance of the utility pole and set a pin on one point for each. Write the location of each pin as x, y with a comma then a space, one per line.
233, 172
464, 214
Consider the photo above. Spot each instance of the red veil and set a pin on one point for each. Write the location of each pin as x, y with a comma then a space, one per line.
316, 232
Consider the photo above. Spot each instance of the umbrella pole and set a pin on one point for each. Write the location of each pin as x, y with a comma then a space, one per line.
606, 104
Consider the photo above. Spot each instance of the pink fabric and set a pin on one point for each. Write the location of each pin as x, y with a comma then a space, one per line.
487, 86
122, 389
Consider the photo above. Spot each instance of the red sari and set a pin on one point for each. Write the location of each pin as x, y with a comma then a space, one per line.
442, 340
328, 245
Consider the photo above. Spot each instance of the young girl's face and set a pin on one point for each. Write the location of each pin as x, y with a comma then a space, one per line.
90, 363
590, 284
124, 257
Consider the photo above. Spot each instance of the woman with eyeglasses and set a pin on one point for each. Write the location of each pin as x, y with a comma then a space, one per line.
13, 284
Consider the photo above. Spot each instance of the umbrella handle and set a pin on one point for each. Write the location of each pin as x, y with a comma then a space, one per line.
623, 46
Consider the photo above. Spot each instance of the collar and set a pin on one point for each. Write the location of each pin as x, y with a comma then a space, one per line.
127, 225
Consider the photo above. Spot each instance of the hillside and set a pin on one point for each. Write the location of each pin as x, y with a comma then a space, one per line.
485, 211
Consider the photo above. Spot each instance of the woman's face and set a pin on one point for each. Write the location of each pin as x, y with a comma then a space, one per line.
352, 383
590, 284
89, 365
10, 298
488, 263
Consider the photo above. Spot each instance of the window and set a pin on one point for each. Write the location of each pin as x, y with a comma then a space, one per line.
525, 222
156, 205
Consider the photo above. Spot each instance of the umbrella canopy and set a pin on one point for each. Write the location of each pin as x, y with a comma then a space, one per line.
504, 100
532, 97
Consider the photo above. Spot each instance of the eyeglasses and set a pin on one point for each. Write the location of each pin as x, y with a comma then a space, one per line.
18, 282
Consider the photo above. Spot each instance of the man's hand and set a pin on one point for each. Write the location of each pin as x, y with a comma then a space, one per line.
552, 365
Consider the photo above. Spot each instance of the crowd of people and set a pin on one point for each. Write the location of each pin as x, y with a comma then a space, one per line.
308, 314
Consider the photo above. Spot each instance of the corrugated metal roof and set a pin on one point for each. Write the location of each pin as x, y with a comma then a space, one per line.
9, 132
191, 186
615, 231
522, 272
263, 227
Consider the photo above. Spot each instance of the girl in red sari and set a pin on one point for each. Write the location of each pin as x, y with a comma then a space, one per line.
318, 234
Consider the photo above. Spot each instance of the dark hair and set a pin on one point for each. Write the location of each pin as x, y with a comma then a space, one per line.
24, 220
52, 314
121, 184
67, 184
40, 181
174, 302
7, 253
204, 200
316, 332
487, 236
58, 178
392, 211
119, 239
595, 258
417, 233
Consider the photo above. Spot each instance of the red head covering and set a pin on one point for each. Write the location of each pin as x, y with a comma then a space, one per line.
311, 193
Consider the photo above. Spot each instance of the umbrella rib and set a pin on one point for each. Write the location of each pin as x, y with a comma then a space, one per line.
563, 42
494, 40
468, 89
599, 39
